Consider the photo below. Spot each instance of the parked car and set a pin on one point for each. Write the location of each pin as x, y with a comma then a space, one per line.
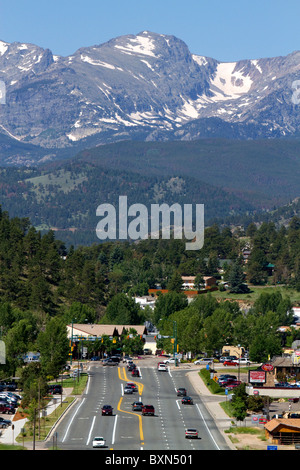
6, 408
242, 361
10, 386
99, 442
95, 358
55, 389
226, 382
181, 392
230, 363
172, 360
191, 433
187, 401
9, 400
137, 406
224, 358
148, 410
107, 410
4, 423
204, 360
233, 385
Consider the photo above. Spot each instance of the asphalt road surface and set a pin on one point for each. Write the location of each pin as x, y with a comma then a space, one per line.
127, 430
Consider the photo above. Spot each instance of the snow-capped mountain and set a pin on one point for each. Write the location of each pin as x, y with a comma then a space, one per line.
147, 86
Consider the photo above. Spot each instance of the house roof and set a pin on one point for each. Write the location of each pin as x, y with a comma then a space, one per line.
100, 330
282, 361
292, 423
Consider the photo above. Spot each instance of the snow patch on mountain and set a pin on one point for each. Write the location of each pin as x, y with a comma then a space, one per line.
229, 82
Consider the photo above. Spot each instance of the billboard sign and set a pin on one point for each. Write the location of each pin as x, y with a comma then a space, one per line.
257, 376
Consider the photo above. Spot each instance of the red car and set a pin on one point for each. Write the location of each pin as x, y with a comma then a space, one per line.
148, 410
232, 385
230, 363
7, 409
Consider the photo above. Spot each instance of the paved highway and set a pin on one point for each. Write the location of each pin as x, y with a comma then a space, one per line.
128, 430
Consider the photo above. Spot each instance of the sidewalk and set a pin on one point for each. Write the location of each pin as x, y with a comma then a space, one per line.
212, 403
9, 434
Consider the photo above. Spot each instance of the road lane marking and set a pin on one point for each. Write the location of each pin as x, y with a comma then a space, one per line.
139, 385
91, 429
207, 427
114, 430
72, 420
133, 414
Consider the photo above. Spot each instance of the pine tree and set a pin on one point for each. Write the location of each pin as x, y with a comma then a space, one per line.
237, 279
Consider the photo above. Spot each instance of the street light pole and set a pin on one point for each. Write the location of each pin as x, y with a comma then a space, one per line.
71, 348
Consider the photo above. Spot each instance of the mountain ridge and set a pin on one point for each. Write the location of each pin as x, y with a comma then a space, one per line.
148, 87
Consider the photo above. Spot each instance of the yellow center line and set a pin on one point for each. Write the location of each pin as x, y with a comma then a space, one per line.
140, 388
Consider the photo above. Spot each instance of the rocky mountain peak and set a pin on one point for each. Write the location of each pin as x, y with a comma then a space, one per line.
147, 86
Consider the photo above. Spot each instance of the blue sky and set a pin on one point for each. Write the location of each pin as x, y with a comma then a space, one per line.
225, 30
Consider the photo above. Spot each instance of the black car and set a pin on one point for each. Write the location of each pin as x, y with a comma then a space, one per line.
181, 392
135, 373
107, 410
131, 367
187, 401
4, 423
55, 389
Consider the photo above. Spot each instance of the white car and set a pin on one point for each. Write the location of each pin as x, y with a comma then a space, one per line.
243, 361
162, 367
98, 442
171, 360
204, 360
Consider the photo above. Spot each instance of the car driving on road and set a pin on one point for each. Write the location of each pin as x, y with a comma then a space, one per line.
181, 392
148, 410
137, 406
191, 433
98, 441
107, 410
187, 401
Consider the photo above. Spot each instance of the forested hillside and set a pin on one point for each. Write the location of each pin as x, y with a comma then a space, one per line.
44, 286
238, 182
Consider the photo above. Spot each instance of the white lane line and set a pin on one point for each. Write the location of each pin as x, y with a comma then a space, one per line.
207, 427
114, 430
72, 420
90, 433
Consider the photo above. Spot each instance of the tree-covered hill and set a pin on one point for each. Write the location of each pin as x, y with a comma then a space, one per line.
234, 180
